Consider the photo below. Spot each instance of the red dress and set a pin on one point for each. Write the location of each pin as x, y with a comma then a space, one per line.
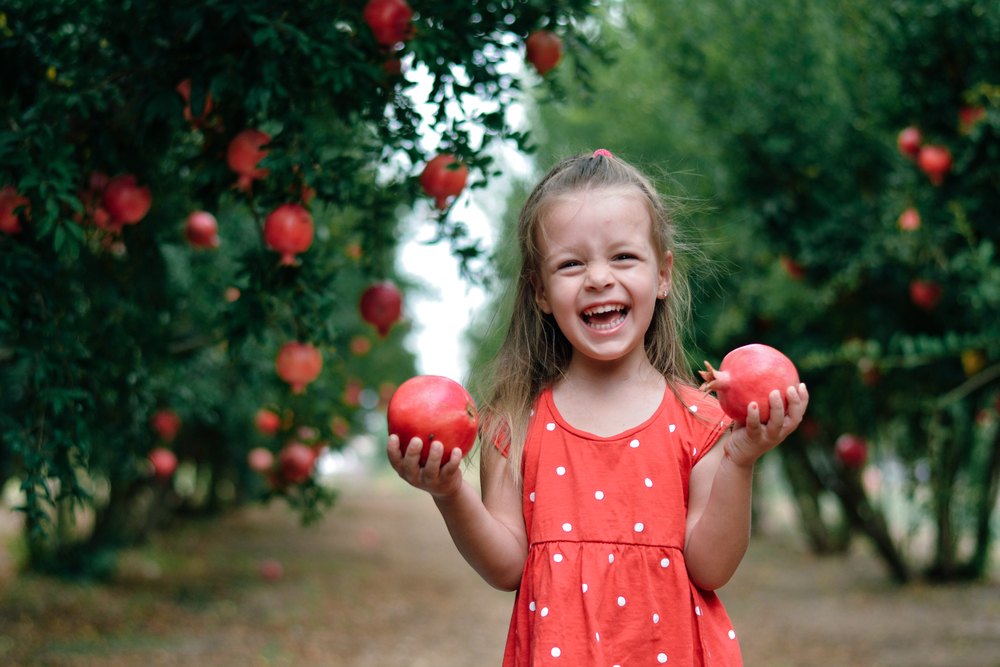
605, 583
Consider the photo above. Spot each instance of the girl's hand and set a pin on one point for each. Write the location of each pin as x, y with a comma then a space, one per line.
748, 443
433, 477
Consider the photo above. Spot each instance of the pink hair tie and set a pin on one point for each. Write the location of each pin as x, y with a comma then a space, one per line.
601, 151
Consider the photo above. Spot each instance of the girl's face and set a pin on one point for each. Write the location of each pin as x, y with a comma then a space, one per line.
600, 275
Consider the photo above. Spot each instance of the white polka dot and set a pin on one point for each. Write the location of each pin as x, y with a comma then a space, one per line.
532, 413
598, 635
611, 558
532, 496
639, 527
673, 427
693, 408
694, 451
557, 558
656, 618
621, 601
599, 495
661, 658
545, 611
585, 588
531, 605
551, 426
556, 652
567, 527
649, 483
665, 562
732, 635
697, 610
560, 470
633, 444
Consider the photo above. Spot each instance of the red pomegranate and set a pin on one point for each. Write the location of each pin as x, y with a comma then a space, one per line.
749, 374
260, 459
289, 230
433, 408
935, 161
9, 201
184, 88
164, 463
298, 364
795, 270
166, 423
925, 294
244, 154
125, 201
909, 141
852, 451
381, 305
968, 116
201, 230
390, 20
296, 461
909, 220
361, 346
543, 49
267, 422
443, 177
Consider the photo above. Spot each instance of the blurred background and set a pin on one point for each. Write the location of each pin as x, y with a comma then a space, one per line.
229, 230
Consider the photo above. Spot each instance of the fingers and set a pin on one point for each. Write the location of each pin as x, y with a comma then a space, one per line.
436, 472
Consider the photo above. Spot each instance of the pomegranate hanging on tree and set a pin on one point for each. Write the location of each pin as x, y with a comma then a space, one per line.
747, 375
296, 462
184, 88
164, 463
852, 451
443, 177
298, 364
202, 230
166, 423
390, 20
10, 200
381, 305
125, 201
289, 230
935, 161
267, 422
909, 141
243, 156
543, 49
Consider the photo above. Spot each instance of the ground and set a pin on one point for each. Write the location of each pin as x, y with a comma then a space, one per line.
378, 583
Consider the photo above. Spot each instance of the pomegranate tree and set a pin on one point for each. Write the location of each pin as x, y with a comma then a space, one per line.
935, 161
443, 177
433, 408
909, 219
543, 49
166, 423
164, 463
125, 201
267, 422
747, 375
390, 20
298, 364
289, 230
925, 294
381, 305
852, 451
296, 462
202, 230
10, 201
243, 156
909, 142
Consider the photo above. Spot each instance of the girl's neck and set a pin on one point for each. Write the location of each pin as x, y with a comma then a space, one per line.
601, 377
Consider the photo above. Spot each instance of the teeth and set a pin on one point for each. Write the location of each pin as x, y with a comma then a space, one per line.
603, 309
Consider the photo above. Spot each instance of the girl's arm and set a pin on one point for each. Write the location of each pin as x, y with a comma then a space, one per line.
718, 521
489, 531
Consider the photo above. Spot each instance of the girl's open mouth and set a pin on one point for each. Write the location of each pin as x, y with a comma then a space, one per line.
603, 318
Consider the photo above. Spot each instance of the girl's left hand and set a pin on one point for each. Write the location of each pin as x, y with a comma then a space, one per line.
748, 443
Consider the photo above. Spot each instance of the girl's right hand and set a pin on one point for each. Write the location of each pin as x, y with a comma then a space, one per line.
433, 477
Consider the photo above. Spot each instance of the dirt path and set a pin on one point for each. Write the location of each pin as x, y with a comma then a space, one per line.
379, 584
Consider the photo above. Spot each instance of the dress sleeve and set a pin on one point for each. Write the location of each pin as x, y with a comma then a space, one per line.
708, 422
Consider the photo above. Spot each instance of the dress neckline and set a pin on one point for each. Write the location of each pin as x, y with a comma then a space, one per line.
551, 404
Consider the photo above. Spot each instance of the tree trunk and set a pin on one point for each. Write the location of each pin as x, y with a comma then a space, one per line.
806, 487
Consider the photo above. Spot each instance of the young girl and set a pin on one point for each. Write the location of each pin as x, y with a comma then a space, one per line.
615, 495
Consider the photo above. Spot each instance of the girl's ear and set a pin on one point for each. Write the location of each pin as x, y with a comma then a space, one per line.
540, 298
666, 275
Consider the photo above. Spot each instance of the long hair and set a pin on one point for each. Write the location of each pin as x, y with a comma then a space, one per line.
535, 353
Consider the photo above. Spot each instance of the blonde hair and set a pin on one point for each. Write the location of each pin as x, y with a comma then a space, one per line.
534, 352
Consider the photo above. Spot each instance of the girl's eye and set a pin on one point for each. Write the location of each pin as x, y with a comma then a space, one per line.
625, 256
570, 264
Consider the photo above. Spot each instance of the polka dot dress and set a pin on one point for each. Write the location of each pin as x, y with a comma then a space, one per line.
605, 582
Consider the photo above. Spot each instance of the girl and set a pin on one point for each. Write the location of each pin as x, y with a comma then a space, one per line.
615, 495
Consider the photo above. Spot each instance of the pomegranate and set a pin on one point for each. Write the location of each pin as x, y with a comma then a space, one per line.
749, 374
432, 407
852, 451
267, 422
232, 294
352, 393
381, 305
968, 116
361, 346
340, 427
164, 463
909, 141
270, 570
543, 49
390, 20
260, 459
166, 423
298, 364
935, 161
909, 220
125, 201
443, 177
202, 230
243, 156
296, 462
184, 88
10, 200
97, 182
925, 294
289, 230
792, 268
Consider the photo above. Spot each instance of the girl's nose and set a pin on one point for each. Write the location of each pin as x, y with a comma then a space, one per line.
600, 277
